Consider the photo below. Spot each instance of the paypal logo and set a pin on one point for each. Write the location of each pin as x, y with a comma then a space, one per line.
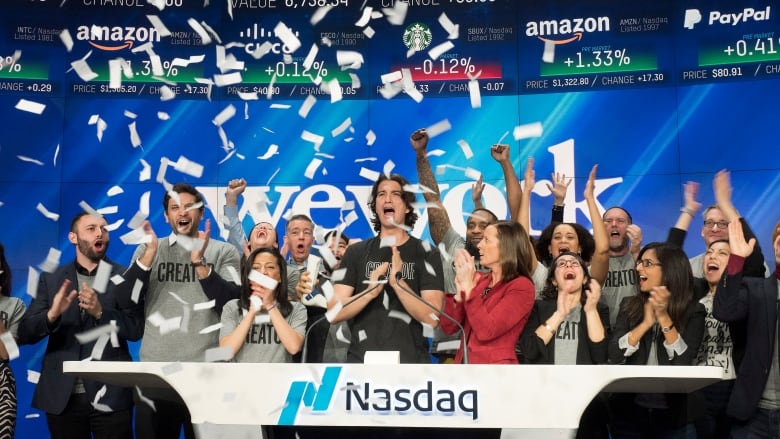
306, 392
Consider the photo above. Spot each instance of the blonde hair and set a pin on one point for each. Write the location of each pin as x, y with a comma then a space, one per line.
776, 232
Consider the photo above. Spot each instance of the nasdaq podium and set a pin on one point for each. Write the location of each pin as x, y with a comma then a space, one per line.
520, 399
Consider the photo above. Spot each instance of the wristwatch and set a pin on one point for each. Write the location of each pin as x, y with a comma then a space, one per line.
666, 329
200, 263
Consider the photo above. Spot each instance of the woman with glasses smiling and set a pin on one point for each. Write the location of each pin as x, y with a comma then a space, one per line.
568, 325
662, 324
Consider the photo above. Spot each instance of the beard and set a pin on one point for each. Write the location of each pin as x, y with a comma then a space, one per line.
87, 250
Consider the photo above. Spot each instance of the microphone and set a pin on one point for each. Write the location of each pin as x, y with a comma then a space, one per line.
354, 299
441, 313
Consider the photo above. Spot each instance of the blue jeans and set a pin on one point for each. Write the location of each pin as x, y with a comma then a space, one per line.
763, 424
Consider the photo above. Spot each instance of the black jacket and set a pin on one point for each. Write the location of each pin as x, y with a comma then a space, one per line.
54, 387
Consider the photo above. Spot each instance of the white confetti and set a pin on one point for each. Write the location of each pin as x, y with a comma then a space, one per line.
227, 79
464, 146
226, 114
306, 106
82, 69
33, 376
204, 305
548, 55
349, 59
95, 333
287, 36
319, 14
263, 280
365, 18
272, 151
209, 329
472, 173
67, 40
391, 77
204, 36
50, 215
528, 131
341, 128
440, 49
369, 174
474, 94
311, 169
101, 277
166, 93
158, 24
397, 14
438, 128
29, 160
188, 167
340, 335
370, 137
136, 294
30, 106
451, 28
135, 139
316, 139
52, 260
218, 354
10, 345
117, 279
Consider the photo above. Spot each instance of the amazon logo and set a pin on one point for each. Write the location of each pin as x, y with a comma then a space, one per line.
114, 38
566, 30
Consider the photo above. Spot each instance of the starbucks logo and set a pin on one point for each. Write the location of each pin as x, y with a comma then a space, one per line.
417, 36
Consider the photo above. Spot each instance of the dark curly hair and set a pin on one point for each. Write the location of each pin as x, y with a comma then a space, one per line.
587, 243
408, 197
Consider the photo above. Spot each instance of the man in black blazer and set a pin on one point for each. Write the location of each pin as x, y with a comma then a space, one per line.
66, 305
753, 303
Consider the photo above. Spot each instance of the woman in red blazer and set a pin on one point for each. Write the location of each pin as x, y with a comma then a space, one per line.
493, 307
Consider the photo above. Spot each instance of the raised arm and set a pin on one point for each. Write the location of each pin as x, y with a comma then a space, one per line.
721, 184
500, 153
599, 263
688, 212
524, 211
438, 219
236, 235
558, 189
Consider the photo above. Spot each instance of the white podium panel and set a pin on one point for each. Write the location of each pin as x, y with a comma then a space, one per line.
405, 395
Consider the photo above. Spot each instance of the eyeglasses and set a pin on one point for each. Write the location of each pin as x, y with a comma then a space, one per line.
573, 263
718, 224
647, 263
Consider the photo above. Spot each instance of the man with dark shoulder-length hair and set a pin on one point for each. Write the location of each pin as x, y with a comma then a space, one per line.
387, 317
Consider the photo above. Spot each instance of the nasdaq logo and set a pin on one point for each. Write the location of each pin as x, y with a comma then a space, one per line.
307, 393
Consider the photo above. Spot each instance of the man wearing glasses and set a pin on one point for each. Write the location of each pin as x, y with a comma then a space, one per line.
715, 228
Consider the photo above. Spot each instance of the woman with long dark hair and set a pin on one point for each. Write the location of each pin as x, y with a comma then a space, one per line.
263, 326
662, 324
11, 311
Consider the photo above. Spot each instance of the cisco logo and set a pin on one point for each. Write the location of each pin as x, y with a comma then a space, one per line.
256, 32
369, 398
